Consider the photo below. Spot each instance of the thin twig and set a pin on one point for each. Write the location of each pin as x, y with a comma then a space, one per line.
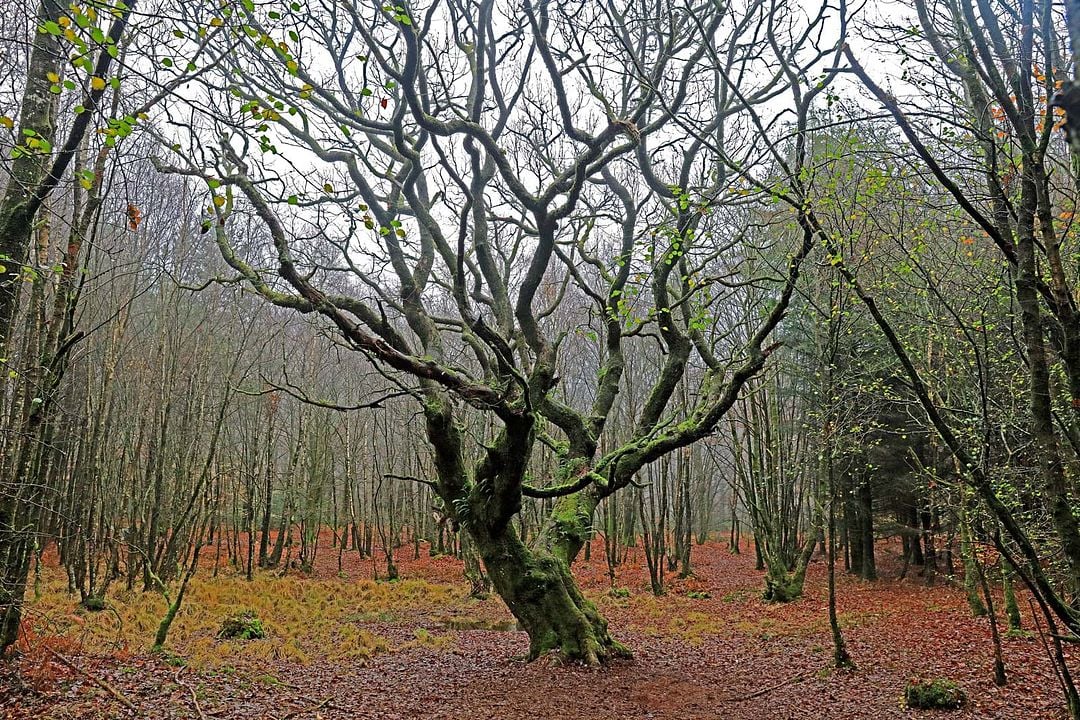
190, 689
766, 690
411, 478
311, 708
120, 697
1046, 646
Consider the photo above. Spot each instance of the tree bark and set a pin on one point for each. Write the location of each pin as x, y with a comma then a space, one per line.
541, 593
868, 566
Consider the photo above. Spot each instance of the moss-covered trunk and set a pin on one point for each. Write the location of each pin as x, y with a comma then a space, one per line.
569, 525
783, 581
783, 585
534, 582
541, 593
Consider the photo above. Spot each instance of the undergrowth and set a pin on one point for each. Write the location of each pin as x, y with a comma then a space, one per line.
692, 618
244, 626
301, 618
937, 694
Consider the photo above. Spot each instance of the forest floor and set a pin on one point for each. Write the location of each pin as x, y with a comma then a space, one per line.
342, 646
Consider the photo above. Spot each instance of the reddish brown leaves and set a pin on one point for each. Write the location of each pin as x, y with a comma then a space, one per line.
727, 655
134, 216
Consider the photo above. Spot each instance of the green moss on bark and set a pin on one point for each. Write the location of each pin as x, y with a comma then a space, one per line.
541, 593
782, 586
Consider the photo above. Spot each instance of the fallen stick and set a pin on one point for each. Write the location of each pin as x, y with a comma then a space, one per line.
190, 689
120, 697
310, 708
765, 691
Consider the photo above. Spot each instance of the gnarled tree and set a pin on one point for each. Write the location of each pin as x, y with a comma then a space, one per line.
472, 189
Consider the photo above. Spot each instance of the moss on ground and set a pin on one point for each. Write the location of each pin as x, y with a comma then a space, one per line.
937, 694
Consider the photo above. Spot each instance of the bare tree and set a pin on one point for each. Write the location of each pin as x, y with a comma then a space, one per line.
469, 165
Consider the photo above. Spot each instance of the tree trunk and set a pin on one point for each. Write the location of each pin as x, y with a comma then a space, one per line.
930, 569
1012, 609
971, 571
543, 596
268, 500
28, 167
852, 527
841, 657
868, 567
784, 583
474, 571
914, 539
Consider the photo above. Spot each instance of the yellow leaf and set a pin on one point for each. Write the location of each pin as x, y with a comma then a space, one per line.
215, 22
7, 122
53, 77
97, 83
218, 201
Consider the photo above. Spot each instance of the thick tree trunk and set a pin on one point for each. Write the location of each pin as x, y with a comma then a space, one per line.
279, 541
541, 593
567, 528
784, 583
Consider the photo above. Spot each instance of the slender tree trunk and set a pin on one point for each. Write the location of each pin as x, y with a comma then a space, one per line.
268, 490
971, 570
1012, 608
999, 661
867, 567
841, 658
